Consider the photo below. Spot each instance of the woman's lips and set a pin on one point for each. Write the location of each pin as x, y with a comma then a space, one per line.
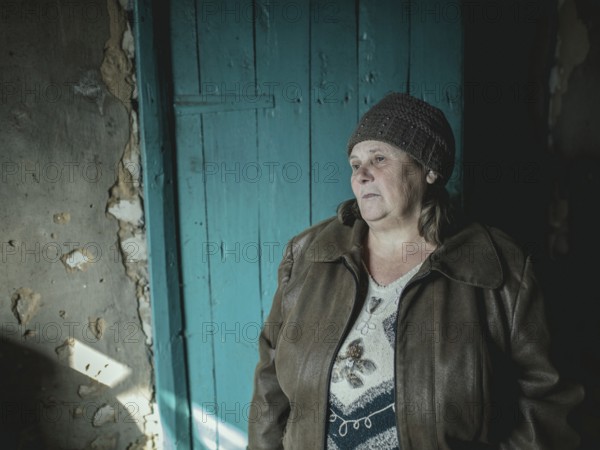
369, 195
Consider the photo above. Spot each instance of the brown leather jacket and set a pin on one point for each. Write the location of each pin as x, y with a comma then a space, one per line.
472, 364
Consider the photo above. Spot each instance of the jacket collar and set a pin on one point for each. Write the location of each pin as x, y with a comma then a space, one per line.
469, 256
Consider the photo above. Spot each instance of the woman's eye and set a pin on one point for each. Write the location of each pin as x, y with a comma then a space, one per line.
354, 166
379, 158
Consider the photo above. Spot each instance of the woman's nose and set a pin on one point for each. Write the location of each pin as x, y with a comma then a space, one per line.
363, 174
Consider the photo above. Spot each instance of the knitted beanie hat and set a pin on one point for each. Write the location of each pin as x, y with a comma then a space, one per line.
413, 126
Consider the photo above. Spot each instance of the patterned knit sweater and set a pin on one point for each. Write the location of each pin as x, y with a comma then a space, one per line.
361, 394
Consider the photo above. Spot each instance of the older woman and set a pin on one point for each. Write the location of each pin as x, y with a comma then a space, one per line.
392, 329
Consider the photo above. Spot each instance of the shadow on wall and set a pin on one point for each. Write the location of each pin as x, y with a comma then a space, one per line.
21, 399
31, 417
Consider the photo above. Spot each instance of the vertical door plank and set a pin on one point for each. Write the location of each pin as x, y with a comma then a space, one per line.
195, 267
282, 50
383, 50
436, 66
229, 138
333, 71
184, 47
192, 215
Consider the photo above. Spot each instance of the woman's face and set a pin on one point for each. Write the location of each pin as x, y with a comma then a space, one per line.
387, 183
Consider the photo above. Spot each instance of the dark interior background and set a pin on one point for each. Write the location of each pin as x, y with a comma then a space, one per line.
536, 180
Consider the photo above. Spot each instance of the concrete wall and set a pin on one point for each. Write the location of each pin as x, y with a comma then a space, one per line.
75, 338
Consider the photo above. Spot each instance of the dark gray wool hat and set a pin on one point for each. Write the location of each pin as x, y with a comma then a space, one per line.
413, 126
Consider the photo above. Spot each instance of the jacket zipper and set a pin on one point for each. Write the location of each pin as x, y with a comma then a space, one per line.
337, 349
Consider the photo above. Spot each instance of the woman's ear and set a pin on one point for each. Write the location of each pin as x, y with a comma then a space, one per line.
431, 176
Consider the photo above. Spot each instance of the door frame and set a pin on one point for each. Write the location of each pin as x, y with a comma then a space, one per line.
156, 122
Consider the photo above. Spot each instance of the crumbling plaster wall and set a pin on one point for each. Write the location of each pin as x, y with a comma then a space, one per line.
75, 337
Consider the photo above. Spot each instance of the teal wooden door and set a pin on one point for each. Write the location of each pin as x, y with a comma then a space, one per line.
265, 96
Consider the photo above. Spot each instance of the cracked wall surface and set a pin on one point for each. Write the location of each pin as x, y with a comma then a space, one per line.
75, 329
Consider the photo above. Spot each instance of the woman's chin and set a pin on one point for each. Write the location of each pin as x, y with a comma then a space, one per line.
371, 214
